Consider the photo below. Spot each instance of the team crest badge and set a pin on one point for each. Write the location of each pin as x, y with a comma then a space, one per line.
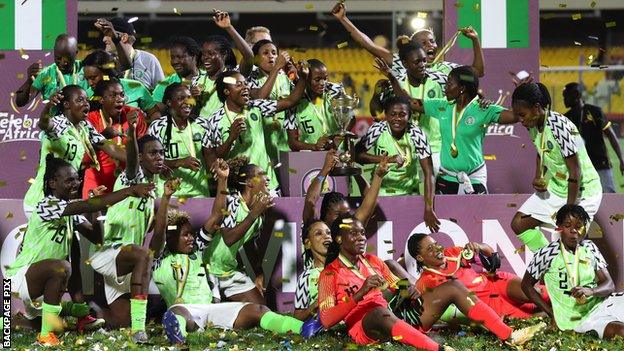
254, 116
431, 94
470, 120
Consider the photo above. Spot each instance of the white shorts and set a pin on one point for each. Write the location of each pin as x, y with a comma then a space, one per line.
435, 159
221, 314
544, 206
237, 283
19, 288
610, 310
104, 261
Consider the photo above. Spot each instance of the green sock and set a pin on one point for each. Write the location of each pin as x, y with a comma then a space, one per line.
280, 324
49, 318
182, 322
452, 313
74, 309
138, 311
534, 239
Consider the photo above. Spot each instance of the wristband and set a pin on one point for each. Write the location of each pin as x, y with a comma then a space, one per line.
572, 180
320, 178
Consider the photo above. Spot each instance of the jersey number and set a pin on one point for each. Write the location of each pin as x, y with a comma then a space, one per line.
70, 152
172, 151
141, 206
563, 281
307, 127
59, 235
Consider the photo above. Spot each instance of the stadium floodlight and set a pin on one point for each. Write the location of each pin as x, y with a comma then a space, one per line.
418, 23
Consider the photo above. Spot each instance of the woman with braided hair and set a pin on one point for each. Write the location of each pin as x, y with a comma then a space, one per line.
184, 139
564, 173
351, 286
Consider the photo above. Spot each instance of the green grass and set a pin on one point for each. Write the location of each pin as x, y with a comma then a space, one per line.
464, 339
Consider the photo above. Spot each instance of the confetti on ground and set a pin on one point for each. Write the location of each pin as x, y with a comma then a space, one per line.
133, 19
610, 24
576, 16
342, 45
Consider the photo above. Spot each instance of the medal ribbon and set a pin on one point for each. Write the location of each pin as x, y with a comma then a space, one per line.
119, 129
78, 133
573, 279
455, 121
60, 78
440, 56
320, 114
452, 259
356, 270
188, 134
181, 277
406, 153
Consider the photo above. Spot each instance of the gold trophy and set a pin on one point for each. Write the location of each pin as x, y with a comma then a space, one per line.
342, 107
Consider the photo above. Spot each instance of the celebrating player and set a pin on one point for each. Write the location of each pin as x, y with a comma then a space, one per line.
570, 177
40, 272
351, 285
575, 273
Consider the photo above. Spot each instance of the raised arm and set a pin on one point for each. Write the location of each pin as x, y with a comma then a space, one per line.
477, 61
263, 92
366, 209
45, 122
157, 244
314, 190
221, 171
124, 52
99, 203
297, 93
258, 207
340, 12
415, 104
222, 19
132, 147
26, 91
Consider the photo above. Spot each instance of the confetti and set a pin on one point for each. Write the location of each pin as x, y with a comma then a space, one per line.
589, 59
9, 215
458, 4
279, 234
313, 28
592, 37
114, 9
2, 183
347, 220
520, 249
453, 220
309, 6
421, 15
387, 241
561, 175
23, 54
133, 19
31, 180
342, 45
21, 76
105, 77
610, 24
93, 34
577, 43
397, 337
344, 226
285, 280
511, 204
146, 40
616, 217
563, 5
391, 251
576, 16
593, 4
22, 155
182, 200
176, 11
292, 170
489, 157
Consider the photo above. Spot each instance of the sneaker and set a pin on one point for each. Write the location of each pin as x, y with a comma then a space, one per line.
89, 323
172, 328
140, 337
48, 340
311, 327
520, 336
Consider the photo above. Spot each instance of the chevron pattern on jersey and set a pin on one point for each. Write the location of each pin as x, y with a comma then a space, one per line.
542, 259
139, 177
214, 135
51, 208
302, 293
419, 139
232, 204
333, 89
94, 136
202, 240
267, 107
373, 133
562, 129
599, 261
157, 126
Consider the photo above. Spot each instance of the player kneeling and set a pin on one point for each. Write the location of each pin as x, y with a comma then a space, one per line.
182, 279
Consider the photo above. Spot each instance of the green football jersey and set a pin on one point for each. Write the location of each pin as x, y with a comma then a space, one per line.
443, 67
220, 258
136, 93
50, 80
65, 141
432, 89
201, 80
471, 127
251, 142
411, 147
561, 139
549, 264
48, 235
128, 221
183, 279
275, 136
181, 144
307, 288
314, 119
209, 99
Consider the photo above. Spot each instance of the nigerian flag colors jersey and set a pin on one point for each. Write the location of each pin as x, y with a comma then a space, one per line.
31, 25
500, 23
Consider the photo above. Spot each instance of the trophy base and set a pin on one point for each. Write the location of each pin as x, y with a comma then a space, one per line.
345, 171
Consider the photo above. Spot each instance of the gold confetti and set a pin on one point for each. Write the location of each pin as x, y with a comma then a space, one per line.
616, 217
458, 4
88, 262
292, 170
279, 234
577, 43
610, 24
172, 227
593, 4
313, 28
31, 180
146, 40
576, 16
560, 175
20, 76
309, 6
397, 337
511, 204
191, 101
22, 155
490, 157
9, 215
520, 249
342, 45
421, 15
181, 200
344, 226
589, 59
563, 5
177, 12
2, 183
93, 34
105, 77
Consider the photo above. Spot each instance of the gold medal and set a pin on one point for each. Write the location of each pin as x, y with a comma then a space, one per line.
454, 151
581, 300
178, 301
467, 254
541, 182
